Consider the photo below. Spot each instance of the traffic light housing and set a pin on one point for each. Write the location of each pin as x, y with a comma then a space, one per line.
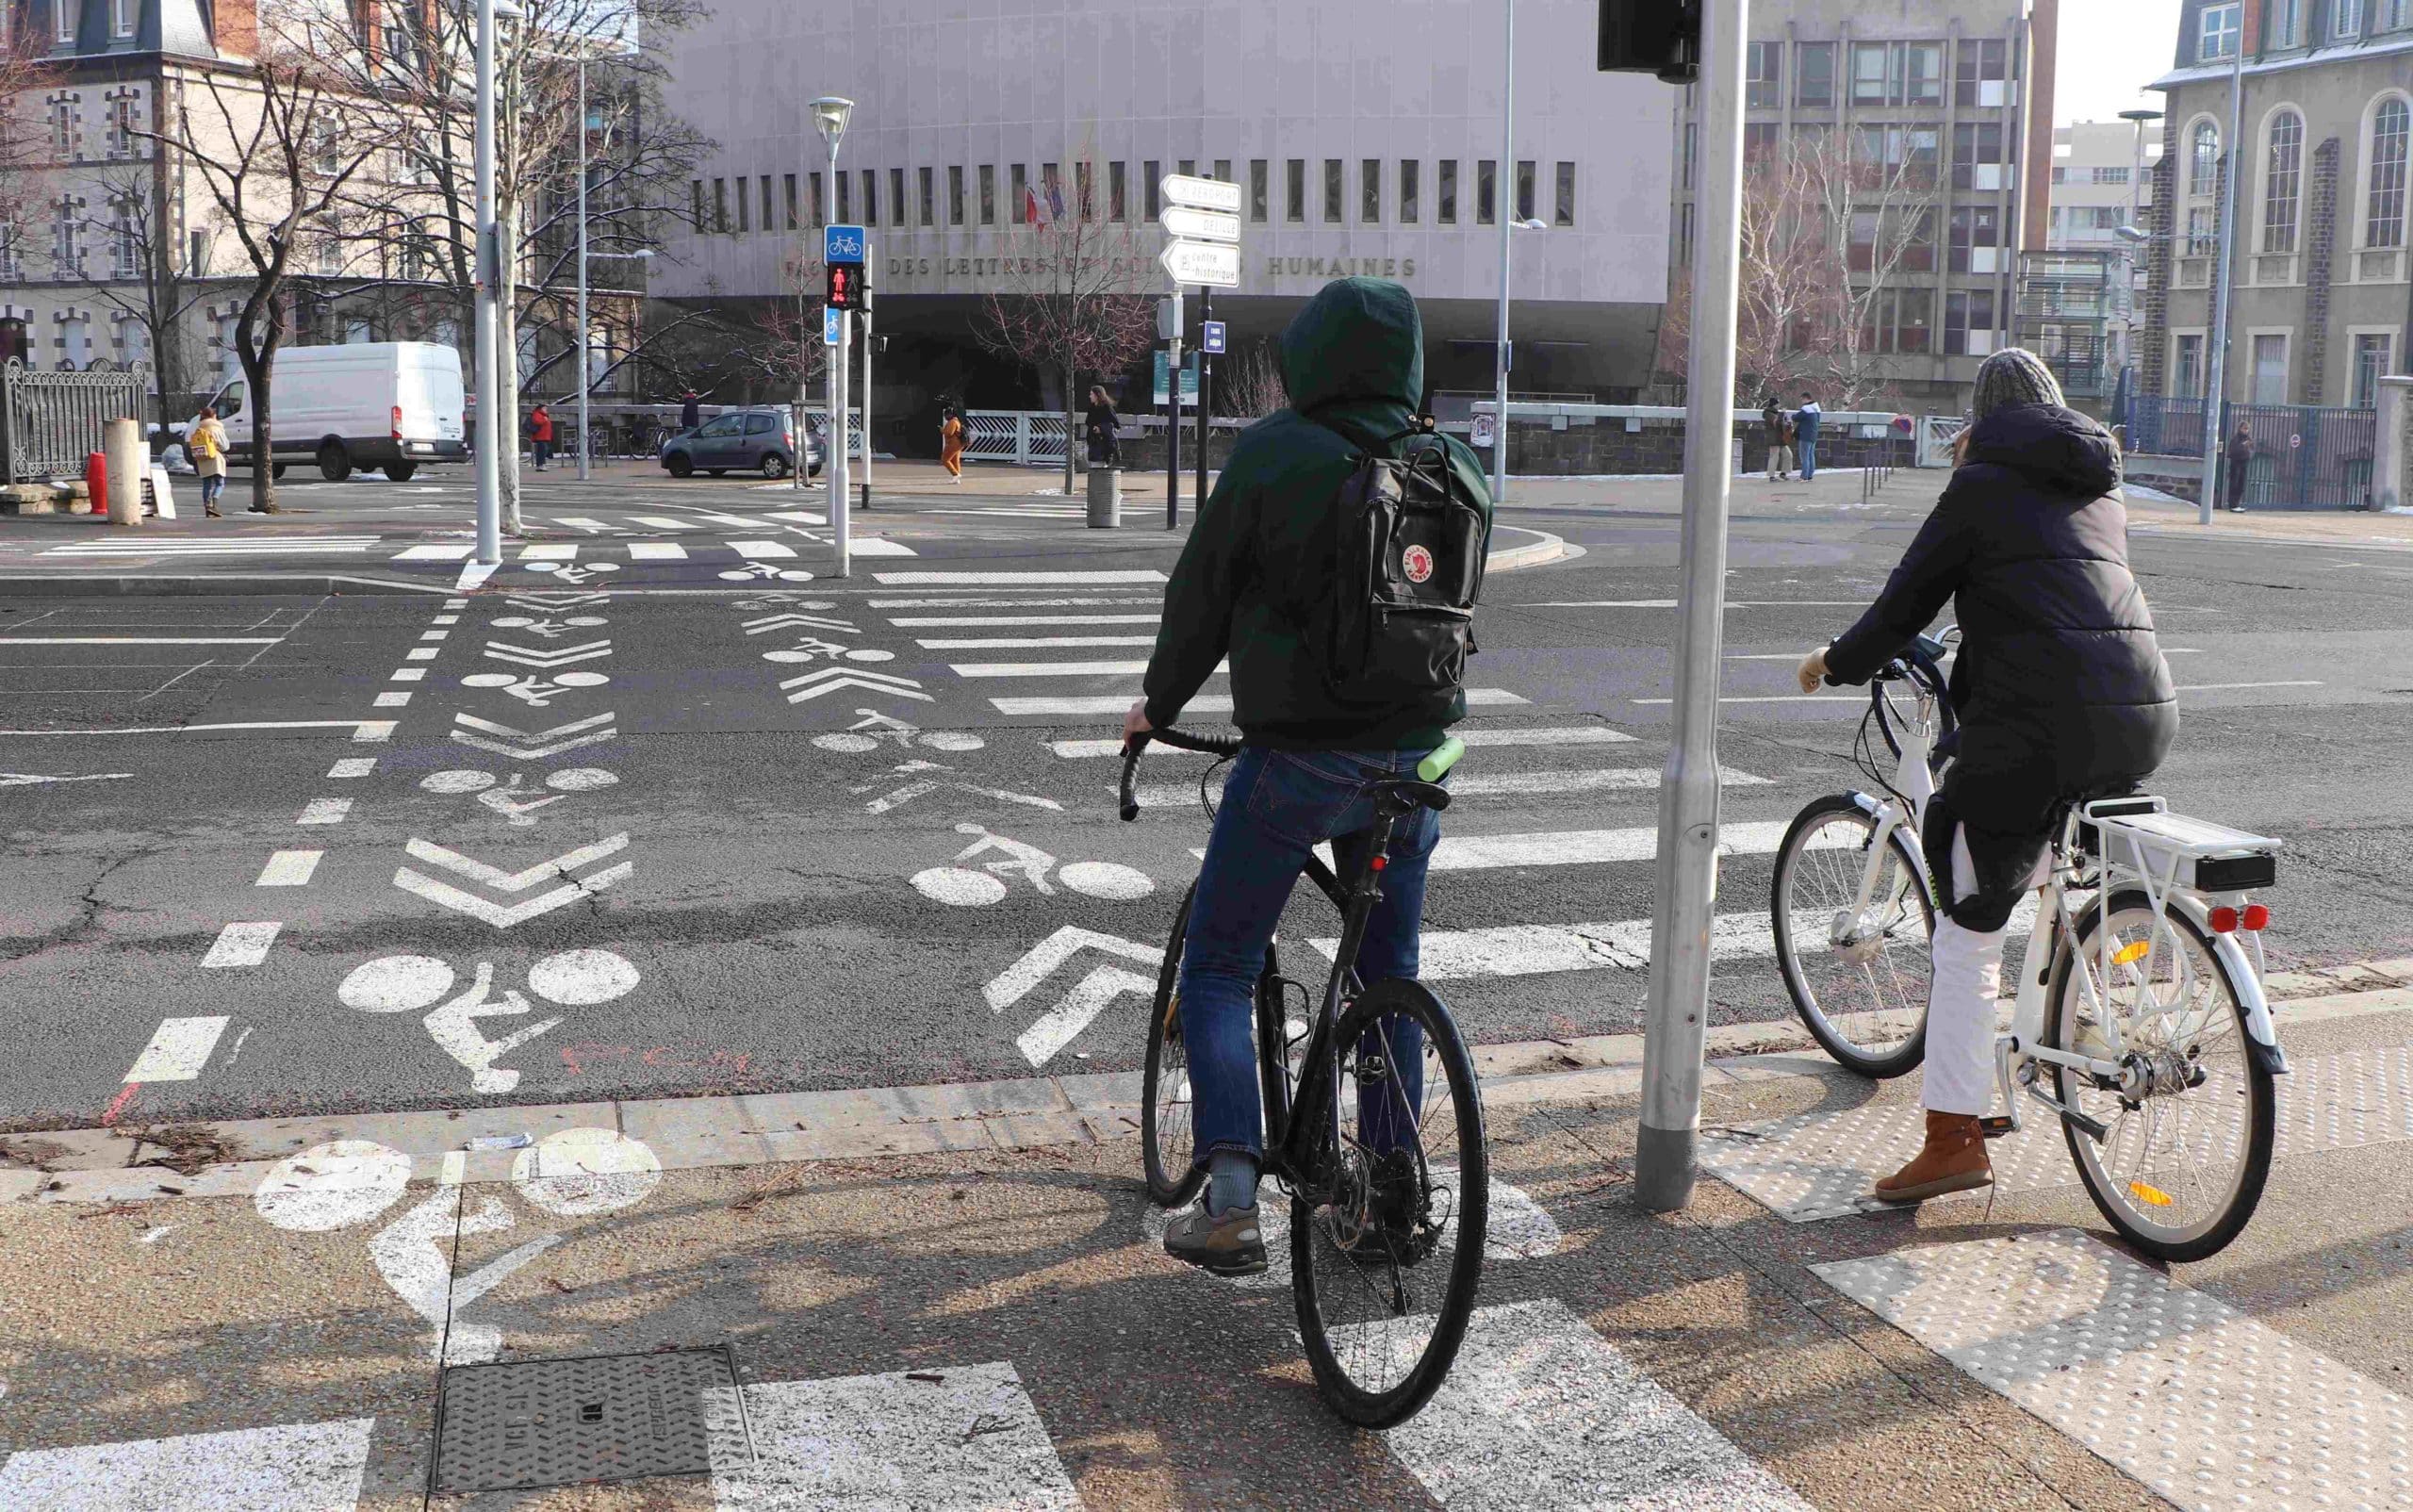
1660, 37
845, 292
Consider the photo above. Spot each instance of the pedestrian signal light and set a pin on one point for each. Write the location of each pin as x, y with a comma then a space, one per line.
1660, 37
845, 285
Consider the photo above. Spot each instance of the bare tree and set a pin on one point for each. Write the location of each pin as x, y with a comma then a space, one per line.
150, 285
1877, 195
765, 349
24, 145
417, 58
1249, 382
1825, 234
1075, 303
275, 147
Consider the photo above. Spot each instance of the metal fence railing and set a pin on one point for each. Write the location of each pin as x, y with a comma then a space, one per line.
51, 422
1022, 436
2304, 456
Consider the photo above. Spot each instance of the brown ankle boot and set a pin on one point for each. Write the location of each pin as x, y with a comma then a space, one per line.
1953, 1160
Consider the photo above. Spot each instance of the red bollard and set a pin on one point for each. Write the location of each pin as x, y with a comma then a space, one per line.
96, 482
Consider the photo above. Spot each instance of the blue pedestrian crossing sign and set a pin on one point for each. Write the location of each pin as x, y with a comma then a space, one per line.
833, 324
845, 243
1212, 338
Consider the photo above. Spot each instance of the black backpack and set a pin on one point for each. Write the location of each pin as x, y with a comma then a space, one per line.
1398, 624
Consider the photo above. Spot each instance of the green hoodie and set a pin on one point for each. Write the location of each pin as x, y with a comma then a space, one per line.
1261, 549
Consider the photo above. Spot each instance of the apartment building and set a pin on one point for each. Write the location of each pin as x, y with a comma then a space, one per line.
2102, 180
1948, 102
2320, 279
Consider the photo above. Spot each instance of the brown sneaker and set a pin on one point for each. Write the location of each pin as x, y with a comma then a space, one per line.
1953, 1160
1227, 1245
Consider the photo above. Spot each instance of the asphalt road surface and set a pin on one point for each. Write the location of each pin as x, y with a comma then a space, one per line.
653, 810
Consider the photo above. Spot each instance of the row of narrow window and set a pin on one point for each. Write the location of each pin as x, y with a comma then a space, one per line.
971, 195
2387, 153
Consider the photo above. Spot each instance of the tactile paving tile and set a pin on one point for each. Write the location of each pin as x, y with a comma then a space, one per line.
2194, 1398
1811, 1166
531, 1423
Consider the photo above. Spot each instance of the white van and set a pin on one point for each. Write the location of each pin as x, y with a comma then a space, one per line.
390, 404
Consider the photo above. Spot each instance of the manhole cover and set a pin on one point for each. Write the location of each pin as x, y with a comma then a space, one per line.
596, 1418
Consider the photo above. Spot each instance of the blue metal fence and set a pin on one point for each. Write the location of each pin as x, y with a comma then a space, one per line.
2304, 456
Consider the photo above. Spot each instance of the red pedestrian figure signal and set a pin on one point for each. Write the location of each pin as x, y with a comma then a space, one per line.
845, 285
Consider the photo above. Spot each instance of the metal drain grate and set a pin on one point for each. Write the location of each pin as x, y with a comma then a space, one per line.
532, 1423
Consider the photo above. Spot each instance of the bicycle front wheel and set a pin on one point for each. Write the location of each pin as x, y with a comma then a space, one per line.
1165, 1129
1858, 974
2187, 1142
1387, 1221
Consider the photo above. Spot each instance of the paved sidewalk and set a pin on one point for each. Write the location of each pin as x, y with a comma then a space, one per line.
988, 1322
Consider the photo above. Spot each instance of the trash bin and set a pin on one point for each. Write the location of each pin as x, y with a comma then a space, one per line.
1106, 497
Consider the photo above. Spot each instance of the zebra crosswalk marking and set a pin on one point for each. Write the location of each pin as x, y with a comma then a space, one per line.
1101, 703
656, 551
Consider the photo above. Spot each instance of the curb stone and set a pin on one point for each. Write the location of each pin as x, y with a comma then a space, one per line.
996, 1117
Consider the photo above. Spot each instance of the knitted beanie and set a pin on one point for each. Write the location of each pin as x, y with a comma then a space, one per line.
2010, 378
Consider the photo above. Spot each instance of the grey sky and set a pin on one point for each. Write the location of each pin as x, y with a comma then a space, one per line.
2111, 49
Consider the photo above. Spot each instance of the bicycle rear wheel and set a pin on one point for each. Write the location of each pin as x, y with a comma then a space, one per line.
1165, 1130
1861, 989
2181, 1166
1386, 1228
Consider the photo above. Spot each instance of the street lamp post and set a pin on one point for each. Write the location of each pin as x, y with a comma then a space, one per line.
829, 114
2136, 198
1504, 183
2216, 338
490, 366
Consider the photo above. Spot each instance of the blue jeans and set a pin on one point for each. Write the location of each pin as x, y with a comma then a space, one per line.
1276, 806
211, 486
1808, 448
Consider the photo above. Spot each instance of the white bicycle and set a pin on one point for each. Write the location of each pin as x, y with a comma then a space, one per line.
2140, 1021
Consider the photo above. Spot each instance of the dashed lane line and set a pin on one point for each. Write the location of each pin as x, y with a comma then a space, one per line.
178, 1049
289, 868
1098, 703
242, 945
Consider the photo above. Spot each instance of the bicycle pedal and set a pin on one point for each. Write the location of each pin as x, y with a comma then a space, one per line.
1995, 1125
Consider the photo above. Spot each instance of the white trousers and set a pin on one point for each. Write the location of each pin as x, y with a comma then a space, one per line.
1966, 966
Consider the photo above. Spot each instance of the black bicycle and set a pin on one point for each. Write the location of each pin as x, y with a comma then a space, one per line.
1372, 1125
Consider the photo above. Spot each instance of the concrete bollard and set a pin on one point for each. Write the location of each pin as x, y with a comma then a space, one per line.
1106, 497
121, 446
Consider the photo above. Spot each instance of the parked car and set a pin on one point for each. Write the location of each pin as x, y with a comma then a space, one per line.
390, 404
748, 439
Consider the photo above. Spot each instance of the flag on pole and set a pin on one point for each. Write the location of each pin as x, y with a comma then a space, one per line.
1030, 205
1054, 200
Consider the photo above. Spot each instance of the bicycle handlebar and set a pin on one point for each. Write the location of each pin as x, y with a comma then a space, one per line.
1179, 739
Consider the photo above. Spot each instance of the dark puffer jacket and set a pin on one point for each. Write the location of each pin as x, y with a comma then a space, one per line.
2060, 685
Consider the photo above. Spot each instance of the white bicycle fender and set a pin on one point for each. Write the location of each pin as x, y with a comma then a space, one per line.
2260, 1032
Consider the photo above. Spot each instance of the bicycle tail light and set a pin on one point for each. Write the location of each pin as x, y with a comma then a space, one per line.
2255, 919
2223, 920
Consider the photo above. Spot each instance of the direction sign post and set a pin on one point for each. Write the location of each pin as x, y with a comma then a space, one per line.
1202, 222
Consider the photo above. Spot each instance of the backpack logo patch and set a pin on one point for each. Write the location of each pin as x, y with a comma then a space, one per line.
1416, 563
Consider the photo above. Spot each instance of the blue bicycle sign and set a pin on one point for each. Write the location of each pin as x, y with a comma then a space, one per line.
845, 243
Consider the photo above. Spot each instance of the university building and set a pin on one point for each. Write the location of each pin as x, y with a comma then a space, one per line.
1365, 136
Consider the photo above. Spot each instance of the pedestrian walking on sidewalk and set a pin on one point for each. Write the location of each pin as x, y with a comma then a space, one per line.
1260, 560
2063, 697
690, 413
1102, 423
207, 445
540, 435
1805, 434
951, 439
1776, 429
2239, 460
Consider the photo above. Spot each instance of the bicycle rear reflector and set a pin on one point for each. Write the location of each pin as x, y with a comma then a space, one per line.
2151, 1196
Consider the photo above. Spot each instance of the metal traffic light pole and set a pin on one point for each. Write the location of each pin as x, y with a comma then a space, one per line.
1675, 1026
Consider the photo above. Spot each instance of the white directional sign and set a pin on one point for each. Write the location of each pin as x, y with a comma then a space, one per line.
1201, 218
1190, 224
1202, 262
1201, 193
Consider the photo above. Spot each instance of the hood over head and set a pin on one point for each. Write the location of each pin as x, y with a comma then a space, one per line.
2060, 450
1359, 340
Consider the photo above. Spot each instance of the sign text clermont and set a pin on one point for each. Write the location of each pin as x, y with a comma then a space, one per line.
1272, 268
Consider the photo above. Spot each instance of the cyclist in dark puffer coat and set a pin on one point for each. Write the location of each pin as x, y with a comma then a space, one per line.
2062, 696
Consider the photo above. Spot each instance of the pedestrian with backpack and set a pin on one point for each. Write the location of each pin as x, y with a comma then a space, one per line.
1336, 564
207, 444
